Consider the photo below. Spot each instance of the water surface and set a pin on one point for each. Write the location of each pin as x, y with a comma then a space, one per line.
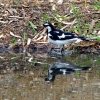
24, 80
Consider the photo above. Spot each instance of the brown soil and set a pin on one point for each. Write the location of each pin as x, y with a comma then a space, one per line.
15, 18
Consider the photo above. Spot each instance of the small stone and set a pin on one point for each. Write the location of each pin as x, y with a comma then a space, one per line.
5, 87
31, 73
31, 83
4, 71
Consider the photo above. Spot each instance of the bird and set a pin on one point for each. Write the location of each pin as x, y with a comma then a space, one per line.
58, 68
60, 37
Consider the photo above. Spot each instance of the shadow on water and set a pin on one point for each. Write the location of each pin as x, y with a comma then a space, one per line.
25, 77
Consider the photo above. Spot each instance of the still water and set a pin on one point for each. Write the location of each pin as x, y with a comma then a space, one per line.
22, 77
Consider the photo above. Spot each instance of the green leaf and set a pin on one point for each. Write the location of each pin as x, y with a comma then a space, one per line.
24, 38
97, 26
15, 41
74, 9
98, 38
16, 2
46, 17
97, 5
32, 26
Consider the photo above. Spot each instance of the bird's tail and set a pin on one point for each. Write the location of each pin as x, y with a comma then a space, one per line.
86, 68
81, 38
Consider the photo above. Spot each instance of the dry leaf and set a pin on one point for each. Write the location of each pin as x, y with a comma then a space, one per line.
11, 33
99, 32
53, 7
60, 2
1, 36
69, 23
91, 25
40, 38
45, 38
44, 31
3, 22
28, 41
30, 59
51, 0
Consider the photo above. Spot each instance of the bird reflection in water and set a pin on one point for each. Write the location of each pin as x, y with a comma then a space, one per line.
62, 68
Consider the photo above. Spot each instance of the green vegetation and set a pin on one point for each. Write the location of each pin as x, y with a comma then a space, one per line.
81, 26
32, 64
24, 39
46, 17
96, 5
77, 73
33, 27
15, 41
15, 2
59, 18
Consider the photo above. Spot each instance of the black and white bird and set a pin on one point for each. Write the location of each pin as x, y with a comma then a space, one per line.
59, 37
63, 68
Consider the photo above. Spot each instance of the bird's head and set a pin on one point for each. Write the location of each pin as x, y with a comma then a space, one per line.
50, 78
48, 26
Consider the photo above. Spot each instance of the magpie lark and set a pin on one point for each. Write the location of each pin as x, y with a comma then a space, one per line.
62, 68
60, 37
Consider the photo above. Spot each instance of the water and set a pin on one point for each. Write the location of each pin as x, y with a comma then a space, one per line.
24, 80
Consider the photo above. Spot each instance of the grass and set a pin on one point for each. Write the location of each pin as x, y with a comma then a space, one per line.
24, 39
59, 18
15, 2
32, 64
96, 5
33, 27
46, 17
77, 73
97, 27
15, 41
81, 26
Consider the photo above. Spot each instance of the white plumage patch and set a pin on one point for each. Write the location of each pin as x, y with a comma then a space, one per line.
62, 36
49, 35
78, 40
49, 29
63, 70
46, 24
60, 43
56, 31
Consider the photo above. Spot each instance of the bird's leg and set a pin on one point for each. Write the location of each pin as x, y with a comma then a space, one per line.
61, 49
51, 50
54, 49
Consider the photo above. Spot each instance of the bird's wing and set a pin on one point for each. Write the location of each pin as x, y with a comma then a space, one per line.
61, 35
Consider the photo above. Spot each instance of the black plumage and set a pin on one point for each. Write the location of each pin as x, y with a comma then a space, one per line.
59, 37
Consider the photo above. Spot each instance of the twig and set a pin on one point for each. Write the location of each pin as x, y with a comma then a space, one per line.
3, 22
17, 17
